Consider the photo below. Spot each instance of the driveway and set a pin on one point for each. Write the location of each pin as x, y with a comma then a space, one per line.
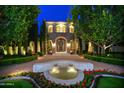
26, 67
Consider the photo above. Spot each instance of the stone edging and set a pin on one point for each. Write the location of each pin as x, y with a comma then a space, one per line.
79, 78
104, 75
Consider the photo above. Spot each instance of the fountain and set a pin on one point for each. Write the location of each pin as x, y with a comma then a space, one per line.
64, 72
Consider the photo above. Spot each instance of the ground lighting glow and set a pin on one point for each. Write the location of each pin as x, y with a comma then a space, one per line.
71, 69
55, 69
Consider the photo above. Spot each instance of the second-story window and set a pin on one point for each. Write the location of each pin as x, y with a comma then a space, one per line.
64, 28
61, 28
57, 28
50, 28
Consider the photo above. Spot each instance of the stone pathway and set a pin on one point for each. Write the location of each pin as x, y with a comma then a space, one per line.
25, 67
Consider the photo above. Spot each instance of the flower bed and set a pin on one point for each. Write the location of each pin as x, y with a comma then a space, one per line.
89, 78
44, 83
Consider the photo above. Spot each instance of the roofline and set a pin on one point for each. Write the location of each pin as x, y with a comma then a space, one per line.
57, 21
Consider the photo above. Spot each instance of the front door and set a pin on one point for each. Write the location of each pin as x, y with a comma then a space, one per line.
61, 45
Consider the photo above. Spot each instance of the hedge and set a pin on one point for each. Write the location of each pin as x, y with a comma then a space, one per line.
18, 60
114, 61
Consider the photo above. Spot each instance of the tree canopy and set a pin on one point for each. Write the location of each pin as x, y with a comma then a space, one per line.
99, 24
18, 20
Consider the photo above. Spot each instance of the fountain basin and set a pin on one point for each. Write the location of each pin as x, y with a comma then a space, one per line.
64, 72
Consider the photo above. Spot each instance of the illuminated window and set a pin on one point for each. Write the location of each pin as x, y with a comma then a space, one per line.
71, 29
64, 28
57, 28
50, 28
61, 28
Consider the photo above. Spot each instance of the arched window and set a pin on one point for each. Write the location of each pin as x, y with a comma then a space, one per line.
64, 28
61, 28
71, 29
50, 28
57, 28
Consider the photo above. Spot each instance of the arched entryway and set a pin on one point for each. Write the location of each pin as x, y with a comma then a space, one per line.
61, 45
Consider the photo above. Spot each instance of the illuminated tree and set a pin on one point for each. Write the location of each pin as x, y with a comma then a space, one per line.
19, 19
100, 25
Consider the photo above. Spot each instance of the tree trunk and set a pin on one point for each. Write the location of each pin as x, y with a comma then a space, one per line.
75, 45
102, 50
41, 45
46, 47
26, 47
19, 49
98, 50
80, 46
35, 46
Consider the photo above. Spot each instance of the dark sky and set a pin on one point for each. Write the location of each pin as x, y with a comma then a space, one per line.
53, 13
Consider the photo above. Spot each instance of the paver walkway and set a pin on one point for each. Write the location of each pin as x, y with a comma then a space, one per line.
25, 67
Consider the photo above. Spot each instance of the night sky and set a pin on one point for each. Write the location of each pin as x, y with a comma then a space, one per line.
53, 13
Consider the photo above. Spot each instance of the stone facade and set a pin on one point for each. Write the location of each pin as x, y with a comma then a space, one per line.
61, 37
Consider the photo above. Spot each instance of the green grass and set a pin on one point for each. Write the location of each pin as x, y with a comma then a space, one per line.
114, 61
16, 60
16, 84
109, 82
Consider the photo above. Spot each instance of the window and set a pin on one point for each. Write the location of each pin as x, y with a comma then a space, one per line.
71, 29
61, 28
50, 28
64, 28
57, 28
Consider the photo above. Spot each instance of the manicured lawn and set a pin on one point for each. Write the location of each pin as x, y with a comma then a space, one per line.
109, 82
16, 84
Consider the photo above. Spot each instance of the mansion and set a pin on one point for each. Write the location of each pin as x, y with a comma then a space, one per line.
61, 37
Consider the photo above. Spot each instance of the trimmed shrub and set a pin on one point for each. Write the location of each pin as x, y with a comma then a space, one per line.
18, 60
114, 61
119, 55
40, 53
